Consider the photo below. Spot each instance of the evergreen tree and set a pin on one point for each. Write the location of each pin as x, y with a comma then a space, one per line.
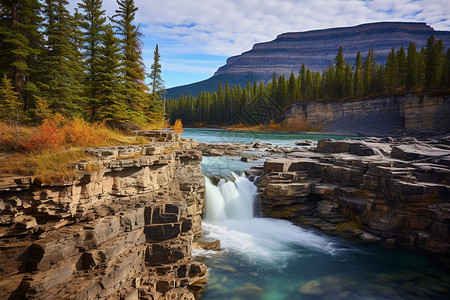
20, 43
9, 102
358, 88
133, 66
92, 21
302, 81
108, 103
412, 76
369, 71
156, 82
446, 77
340, 73
434, 58
292, 91
61, 70
402, 67
391, 74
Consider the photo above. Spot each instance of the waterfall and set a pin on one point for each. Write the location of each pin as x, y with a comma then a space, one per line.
229, 217
230, 199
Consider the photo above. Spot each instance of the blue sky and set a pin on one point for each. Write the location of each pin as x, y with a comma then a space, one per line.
196, 37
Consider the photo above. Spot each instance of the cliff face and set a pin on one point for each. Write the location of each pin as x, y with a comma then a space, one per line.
376, 117
318, 48
121, 232
382, 189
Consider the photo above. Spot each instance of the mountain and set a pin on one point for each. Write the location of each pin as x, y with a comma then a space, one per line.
316, 49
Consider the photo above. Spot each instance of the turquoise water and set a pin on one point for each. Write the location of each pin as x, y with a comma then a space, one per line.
223, 136
270, 259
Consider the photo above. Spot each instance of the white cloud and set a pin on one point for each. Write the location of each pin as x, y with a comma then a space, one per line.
233, 26
230, 27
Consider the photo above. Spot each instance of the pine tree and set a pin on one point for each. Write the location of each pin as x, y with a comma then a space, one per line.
369, 71
9, 102
156, 82
61, 70
20, 42
302, 81
108, 103
434, 58
133, 67
156, 110
446, 81
402, 67
357, 86
391, 72
340, 73
292, 91
412, 76
92, 22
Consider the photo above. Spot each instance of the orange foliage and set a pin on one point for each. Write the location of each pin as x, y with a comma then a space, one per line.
46, 137
178, 126
80, 133
58, 133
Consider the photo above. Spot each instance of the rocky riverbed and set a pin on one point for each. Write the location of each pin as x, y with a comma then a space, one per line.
396, 190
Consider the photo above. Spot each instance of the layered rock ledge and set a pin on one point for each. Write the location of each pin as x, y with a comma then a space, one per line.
122, 230
394, 190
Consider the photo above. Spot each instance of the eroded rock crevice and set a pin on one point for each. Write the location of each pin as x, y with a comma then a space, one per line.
123, 231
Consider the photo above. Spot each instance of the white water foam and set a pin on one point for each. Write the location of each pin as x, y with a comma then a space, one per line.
229, 218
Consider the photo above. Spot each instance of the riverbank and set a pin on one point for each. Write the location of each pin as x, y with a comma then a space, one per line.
122, 228
392, 190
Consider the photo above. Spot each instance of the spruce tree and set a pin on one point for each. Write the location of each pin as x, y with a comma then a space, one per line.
156, 82
132, 64
412, 67
340, 73
402, 67
108, 103
357, 86
434, 62
20, 42
292, 91
9, 102
61, 70
391, 72
92, 22
369, 71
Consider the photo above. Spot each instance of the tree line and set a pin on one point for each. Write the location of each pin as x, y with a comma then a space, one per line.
405, 70
81, 64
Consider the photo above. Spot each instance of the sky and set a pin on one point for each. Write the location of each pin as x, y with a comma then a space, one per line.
196, 37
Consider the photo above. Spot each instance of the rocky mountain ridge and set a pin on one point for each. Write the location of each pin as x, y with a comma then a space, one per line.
317, 49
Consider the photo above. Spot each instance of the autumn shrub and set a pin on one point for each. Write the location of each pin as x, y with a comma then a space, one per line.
177, 126
79, 133
47, 136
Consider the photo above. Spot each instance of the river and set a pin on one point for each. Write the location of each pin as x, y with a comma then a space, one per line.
270, 259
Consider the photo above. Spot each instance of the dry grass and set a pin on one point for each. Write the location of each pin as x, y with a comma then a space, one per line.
46, 167
47, 151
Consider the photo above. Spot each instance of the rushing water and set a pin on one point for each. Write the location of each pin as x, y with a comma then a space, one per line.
270, 259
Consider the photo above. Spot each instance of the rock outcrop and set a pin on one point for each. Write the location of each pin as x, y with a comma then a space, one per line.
395, 190
396, 115
123, 230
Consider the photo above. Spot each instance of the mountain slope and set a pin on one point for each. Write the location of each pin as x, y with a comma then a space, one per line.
317, 49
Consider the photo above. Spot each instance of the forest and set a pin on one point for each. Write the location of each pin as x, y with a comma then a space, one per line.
410, 70
79, 65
